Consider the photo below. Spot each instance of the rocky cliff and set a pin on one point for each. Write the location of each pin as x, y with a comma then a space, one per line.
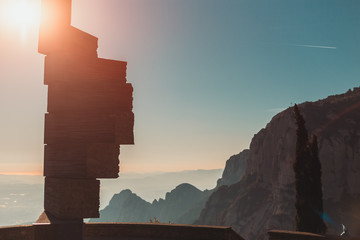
234, 169
264, 198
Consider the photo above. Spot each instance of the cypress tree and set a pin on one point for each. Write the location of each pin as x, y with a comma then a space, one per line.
317, 196
307, 168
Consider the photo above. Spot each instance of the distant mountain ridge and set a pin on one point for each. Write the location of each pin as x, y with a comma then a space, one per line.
21, 196
128, 207
181, 205
150, 186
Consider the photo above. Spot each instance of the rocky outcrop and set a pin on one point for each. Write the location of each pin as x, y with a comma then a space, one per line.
125, 207
234, 169
264, 198
182, 205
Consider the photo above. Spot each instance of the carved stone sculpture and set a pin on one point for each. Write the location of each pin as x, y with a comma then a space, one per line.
89, 115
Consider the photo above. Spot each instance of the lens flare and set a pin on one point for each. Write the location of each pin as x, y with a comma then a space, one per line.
21, 14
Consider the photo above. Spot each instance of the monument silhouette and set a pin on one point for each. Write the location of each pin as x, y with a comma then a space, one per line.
89, 116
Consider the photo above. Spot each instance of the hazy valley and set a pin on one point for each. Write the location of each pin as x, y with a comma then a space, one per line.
21, 197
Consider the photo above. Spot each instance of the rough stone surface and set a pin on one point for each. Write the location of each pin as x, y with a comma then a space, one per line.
25, 232
123, 231
49, 227
75, 70
264, 198
291, 235
127, 231
81, 160
89, 114
72, 198
234, 169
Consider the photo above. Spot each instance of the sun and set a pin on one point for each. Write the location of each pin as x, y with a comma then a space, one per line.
21, 14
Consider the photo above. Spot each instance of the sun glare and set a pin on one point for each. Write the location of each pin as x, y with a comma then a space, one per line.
21, 14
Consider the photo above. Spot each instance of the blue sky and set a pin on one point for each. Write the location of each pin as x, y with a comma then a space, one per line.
207, 74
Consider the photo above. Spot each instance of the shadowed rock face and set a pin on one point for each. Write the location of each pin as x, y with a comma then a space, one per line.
131, 208
234, 169
264, 198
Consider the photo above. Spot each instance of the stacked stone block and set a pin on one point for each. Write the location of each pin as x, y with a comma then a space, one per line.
89, 115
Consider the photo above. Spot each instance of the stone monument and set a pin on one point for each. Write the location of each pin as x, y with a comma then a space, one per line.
89, 116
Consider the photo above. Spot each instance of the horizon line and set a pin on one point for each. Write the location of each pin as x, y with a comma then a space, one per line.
21, 173
131, 172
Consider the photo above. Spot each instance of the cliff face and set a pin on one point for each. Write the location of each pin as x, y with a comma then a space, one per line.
234, 169
264, 198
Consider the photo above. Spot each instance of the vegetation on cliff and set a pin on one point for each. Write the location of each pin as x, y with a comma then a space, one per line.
307, 168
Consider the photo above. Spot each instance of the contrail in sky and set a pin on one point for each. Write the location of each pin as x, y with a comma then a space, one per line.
314, 46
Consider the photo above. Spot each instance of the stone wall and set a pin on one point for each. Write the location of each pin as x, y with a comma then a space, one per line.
25, 232
291, 235
129, 231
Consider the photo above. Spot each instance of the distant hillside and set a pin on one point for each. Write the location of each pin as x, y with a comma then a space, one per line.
264, 198
182, 205
155, 185
128, 207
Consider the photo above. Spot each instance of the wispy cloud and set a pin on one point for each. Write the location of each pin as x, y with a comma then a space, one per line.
314, 46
